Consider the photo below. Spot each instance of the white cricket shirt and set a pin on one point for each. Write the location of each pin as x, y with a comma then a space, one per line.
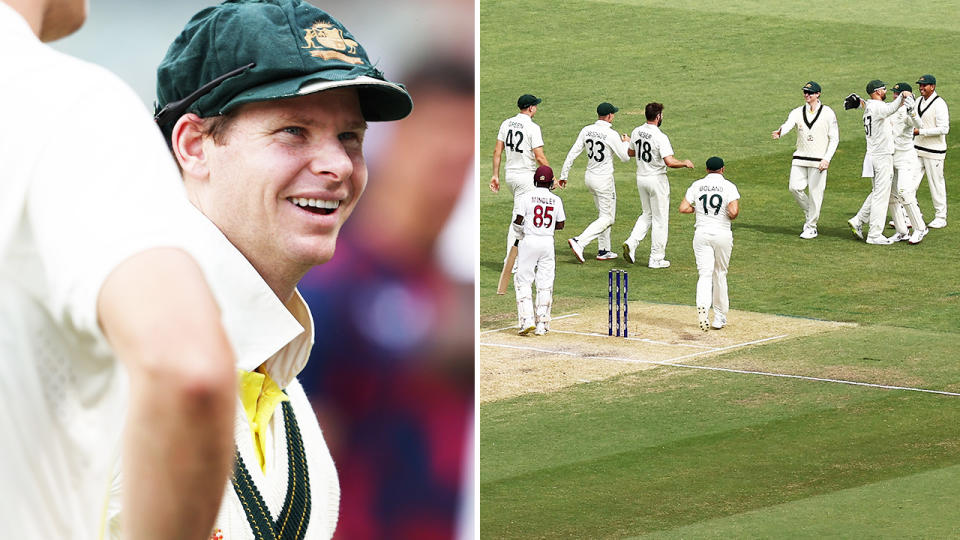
520, 135
541, 210
931, 143
86, 182
902, 124
602, 143
651, 145
877, 127
817, 134
709, 197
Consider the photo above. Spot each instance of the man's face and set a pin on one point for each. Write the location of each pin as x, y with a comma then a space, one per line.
811, 97
927, 89
62, 18
287, 176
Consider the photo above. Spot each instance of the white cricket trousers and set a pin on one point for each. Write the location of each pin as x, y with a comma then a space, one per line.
604, 193
903, 191
519, 183
655, 205
880, 196
712, 250
812, 179
933, 168
536, 263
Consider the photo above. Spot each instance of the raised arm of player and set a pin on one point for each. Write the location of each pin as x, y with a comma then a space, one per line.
675, 163
572, 155
160, 318
495, 179
786, 126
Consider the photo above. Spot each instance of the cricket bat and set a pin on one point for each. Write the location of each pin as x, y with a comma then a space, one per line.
507, 267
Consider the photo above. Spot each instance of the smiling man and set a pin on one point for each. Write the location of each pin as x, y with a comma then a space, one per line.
265, 104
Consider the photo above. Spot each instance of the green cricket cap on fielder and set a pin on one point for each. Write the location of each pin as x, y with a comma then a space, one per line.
902, 87
811, 88
927, 79
875, 85
245, 51
605, 108
714, 164
528, 100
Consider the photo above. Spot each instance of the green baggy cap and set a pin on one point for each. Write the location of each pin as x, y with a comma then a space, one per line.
244, 51
875, 85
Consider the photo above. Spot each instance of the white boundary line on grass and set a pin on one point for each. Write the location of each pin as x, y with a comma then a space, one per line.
670, 363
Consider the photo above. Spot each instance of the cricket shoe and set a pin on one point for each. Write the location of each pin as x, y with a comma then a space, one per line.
880, 240
892, 225
719, 320
606, 255
541, 330
856, 226
526, 328
658, 263
900, 237
577, 249
629, 253
807, 234
917, 236
937, 223
702, 318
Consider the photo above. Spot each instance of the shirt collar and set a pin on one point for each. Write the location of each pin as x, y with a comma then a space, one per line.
259, 326
603, 123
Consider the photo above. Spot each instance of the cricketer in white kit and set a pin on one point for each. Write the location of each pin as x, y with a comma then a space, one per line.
906, 178
879, 134
522, 142
602, 143
537, 214
716, 201
654, 154
817, 140
931, 145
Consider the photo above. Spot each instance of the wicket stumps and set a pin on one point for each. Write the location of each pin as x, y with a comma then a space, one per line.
610, 297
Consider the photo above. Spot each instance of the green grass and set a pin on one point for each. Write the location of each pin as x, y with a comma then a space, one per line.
675, 452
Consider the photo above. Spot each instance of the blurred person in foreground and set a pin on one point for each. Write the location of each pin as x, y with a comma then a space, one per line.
391, 378
111, 341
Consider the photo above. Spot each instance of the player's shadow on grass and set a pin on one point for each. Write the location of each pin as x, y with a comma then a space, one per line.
793, 230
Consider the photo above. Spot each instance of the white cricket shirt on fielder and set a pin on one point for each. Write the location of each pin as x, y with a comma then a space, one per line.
541, 210
902, 124
817, 134
520, 135
931, 143
602, 143
709, 197
651, 145
86, 182
878, 129
261, 329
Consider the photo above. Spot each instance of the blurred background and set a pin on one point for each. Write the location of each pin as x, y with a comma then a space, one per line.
391, 374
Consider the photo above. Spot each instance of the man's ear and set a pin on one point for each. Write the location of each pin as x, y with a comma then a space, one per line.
187, 143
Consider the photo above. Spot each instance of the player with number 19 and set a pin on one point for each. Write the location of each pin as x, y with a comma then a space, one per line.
716, 202
522, 141
602, 143
537, 214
